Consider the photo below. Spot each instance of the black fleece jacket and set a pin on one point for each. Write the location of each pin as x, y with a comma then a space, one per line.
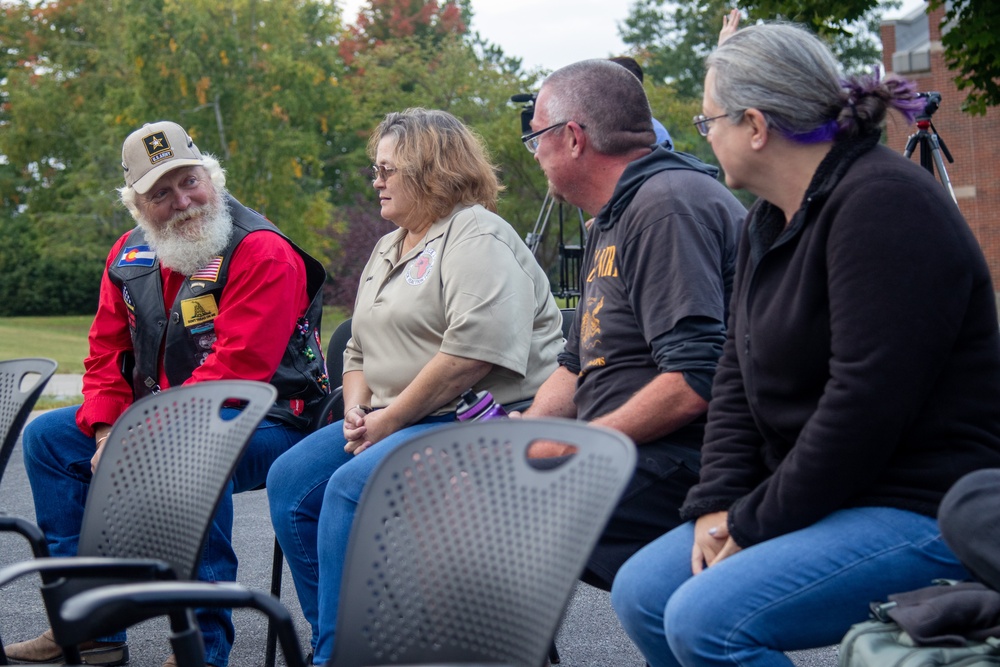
862, 363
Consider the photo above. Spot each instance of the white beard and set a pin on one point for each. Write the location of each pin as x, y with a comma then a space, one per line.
187, 249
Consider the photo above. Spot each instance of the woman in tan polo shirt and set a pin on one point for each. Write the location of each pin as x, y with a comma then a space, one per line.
452, 299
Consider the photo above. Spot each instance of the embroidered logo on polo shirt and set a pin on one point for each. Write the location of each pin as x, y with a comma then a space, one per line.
419, 268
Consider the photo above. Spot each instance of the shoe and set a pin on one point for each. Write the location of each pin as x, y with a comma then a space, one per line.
44, 648
172, 662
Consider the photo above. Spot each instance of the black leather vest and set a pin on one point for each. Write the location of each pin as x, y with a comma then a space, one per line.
187, 332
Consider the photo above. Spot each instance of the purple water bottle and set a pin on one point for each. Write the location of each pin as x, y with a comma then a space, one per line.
479, 406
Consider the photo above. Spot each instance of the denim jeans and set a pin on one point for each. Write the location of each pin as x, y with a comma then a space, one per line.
57, 459
314, 490
797, 591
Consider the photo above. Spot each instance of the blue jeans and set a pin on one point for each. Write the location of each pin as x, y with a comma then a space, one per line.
314, 490
57, 459
797, 591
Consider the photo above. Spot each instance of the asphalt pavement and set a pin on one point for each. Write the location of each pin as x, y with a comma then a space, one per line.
590, 634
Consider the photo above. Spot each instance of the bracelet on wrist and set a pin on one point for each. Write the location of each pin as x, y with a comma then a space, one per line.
365, 409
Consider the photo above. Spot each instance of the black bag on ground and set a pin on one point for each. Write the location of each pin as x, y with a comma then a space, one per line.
943, 625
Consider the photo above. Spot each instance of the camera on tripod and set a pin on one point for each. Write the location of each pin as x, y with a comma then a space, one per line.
527, 111
933, 102
930, 143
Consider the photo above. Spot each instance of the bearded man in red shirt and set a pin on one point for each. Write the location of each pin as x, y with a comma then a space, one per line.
202, 289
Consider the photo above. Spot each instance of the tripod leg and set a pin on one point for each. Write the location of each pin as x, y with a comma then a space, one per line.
942, 172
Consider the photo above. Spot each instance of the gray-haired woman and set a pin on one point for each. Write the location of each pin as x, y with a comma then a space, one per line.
859, 380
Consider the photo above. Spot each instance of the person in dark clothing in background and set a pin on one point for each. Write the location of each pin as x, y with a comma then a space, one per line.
632, 65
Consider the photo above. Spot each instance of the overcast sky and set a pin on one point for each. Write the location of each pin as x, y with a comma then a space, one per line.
543, 33
552, 33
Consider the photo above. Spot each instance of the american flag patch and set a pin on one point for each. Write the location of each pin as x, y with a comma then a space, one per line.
209, 272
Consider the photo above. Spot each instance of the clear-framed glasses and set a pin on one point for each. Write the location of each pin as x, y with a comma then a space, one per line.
530, 141
702, 123
382, 171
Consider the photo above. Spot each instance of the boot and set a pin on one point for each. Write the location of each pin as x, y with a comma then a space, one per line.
44, 649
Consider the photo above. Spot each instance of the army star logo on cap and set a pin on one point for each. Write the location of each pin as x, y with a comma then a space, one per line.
157, 147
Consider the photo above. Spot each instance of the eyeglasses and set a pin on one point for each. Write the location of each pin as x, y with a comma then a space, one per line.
531, 140
701, 122
382, 171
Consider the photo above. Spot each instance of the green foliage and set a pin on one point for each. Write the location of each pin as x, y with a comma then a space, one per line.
463, 76
672, 40
972, 47
255, 83
971, 37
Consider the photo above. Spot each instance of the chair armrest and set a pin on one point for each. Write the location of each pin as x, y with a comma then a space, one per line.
117, 568
329, 411
30, 532
120, 604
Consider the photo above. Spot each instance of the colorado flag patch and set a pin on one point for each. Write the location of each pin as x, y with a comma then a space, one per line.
137, 255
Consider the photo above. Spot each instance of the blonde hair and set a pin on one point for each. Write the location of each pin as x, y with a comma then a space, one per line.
441, 162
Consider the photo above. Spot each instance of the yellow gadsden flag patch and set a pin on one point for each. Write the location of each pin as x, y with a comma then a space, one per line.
199, 310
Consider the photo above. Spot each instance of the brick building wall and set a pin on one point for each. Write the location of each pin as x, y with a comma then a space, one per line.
912, 48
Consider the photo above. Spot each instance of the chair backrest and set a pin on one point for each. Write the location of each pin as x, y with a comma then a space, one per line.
335, 352
163, 471
567, 320
332, 407
17, 398
464, 551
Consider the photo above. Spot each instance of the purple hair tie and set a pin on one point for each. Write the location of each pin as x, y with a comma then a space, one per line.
825, 132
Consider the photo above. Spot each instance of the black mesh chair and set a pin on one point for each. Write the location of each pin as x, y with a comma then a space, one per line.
21, 383
151, 501
462, 552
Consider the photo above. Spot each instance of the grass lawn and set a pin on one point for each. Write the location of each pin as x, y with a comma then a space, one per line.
64, 338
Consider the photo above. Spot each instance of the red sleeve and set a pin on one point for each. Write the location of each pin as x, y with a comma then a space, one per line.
106, 393
265, 294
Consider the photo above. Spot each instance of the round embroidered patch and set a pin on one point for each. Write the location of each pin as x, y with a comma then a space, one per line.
419, 268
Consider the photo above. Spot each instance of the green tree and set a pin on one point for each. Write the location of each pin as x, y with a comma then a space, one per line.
972, 47
256, 83
672, 40
451, 70
381, 21
971, 38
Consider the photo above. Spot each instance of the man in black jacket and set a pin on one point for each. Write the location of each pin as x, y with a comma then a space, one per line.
655, 283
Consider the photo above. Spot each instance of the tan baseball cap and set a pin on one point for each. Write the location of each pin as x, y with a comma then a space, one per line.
153, 150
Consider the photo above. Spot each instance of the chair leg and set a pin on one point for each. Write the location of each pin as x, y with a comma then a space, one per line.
186, 640
277, 561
